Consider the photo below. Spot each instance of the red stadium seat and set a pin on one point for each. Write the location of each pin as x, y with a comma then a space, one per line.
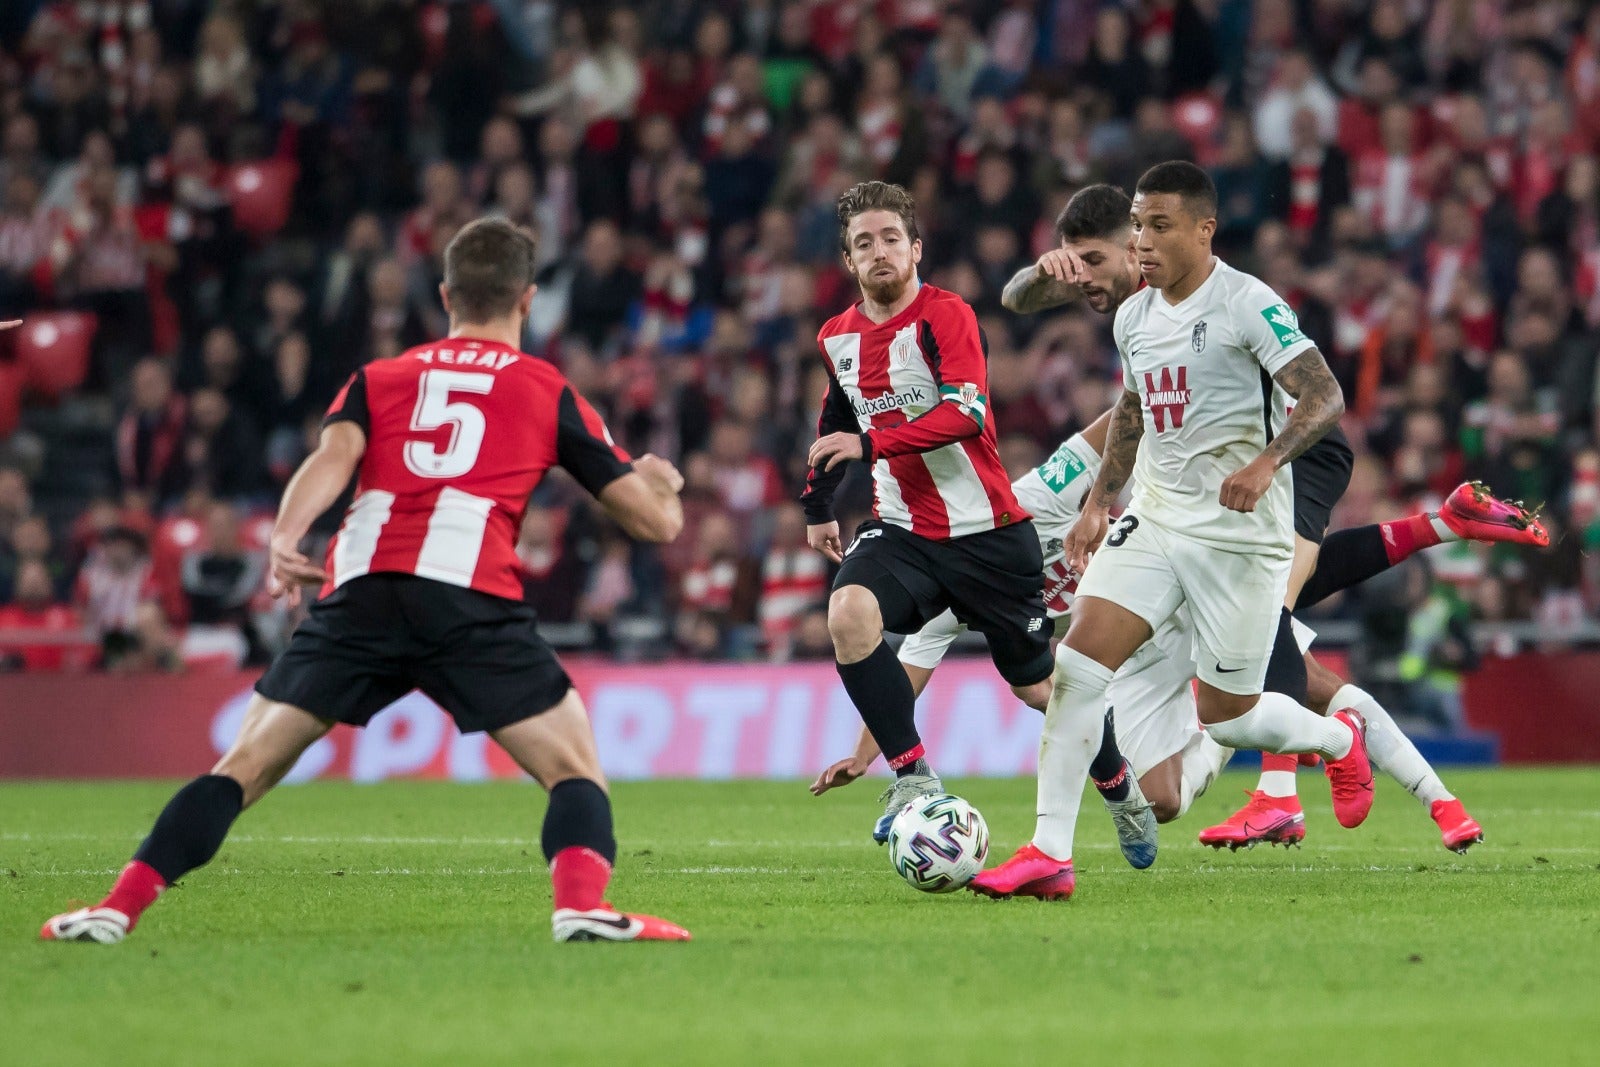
262, 194
1198, 117
10, 398
53, 350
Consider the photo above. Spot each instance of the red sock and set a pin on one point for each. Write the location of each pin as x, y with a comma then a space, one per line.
1403, 537
1274, 761
578, 877
137, 888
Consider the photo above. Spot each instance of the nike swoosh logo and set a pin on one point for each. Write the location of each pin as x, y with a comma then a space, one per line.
621, 922
1228, 670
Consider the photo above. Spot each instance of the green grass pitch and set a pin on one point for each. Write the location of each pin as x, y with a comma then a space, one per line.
409, 924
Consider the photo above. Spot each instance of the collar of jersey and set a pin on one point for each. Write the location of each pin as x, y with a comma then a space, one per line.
899, 320
1178, 310
468, 339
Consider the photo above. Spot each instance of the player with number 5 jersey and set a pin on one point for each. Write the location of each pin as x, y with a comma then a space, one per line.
420, 590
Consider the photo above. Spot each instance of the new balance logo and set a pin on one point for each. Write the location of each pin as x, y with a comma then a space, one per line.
881, 405
846, 363
1035, 625
1168, 397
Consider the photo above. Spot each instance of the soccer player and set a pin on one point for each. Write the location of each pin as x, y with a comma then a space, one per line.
1210, 525
1090, 261
907, 384
421, 589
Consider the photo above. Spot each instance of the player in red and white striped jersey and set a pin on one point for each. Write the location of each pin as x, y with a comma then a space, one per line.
907, 385
446, 441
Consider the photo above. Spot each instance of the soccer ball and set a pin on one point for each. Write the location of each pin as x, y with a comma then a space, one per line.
938, 843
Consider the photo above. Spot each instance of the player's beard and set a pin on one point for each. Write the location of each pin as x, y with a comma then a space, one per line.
885, 290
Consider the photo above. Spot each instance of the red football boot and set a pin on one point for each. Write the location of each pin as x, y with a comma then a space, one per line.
1275, 820
1028, 873
606, 924
1475, 514
1459, 830
1351, 777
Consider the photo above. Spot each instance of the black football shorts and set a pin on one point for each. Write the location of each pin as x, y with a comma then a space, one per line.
375, 638
1321, 475
993, 581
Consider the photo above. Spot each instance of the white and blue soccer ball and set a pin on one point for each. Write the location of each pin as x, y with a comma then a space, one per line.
938, 843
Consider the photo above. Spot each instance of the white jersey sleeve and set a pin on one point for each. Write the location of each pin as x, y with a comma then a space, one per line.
1053, 491
1268, 328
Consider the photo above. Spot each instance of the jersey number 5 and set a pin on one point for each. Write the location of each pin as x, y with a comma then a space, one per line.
435, 409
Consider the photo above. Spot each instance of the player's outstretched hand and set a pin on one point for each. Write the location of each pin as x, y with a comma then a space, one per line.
836, 448
842, 773
661, 470
1245, 487
1085, 536
290, 569
824, 537
1063, 266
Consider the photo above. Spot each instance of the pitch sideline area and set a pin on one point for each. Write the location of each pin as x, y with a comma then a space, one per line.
409, 923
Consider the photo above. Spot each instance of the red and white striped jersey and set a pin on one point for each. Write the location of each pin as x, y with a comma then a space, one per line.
916, 388
459, 432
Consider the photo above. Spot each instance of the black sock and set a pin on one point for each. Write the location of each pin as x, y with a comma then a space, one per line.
882, 694
579, 816
1348, 558
1286, 669
192, 826
1109, 771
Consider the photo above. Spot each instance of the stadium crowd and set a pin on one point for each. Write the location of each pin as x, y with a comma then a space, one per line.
252, 198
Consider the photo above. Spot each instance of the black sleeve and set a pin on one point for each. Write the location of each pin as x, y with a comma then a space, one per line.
584, 446
351, 404
836, 417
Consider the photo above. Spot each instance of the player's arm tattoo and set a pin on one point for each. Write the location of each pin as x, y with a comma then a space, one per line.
1122, 447
1028, 292
1319, 402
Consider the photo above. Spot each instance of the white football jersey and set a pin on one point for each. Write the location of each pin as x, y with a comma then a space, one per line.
1203, 370
1053, 494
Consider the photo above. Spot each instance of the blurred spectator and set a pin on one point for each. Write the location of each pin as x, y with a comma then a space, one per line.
1296, 89
746, 480
603, 288
115, 590
36, 632
150, 434
221, 579
794, 580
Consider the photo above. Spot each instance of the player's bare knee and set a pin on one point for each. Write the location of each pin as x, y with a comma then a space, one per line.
1215, 705
855, 622
1163, 806
1321, 685
1036, 696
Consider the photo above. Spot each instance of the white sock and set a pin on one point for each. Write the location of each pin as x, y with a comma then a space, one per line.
1391, 750
1277, 784
1073, 726
1203, 760
1278, 724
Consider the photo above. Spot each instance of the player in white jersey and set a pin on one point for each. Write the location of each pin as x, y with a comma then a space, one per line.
1210, 525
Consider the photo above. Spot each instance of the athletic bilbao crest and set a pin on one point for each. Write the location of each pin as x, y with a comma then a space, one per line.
1198, 338
1167, 397
904, 347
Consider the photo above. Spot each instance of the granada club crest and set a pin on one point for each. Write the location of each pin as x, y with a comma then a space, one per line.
1198, 338
1167, 397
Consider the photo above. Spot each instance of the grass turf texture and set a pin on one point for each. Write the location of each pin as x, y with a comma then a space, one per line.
408, 924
